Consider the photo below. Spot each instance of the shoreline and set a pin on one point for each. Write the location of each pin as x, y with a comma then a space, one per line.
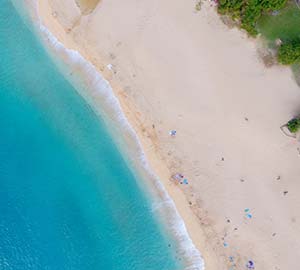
204, 224
177, 228
92, 211
139, 165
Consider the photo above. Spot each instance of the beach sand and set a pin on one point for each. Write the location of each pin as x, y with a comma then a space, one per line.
175, 68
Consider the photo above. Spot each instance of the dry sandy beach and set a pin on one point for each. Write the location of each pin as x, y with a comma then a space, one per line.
175, 68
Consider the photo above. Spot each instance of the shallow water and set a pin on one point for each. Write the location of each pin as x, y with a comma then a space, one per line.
67, 197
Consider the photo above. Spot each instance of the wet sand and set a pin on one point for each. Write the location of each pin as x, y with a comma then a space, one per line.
174, 68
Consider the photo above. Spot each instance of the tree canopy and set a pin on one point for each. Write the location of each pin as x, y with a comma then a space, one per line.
247, 12
289, 53
294, 125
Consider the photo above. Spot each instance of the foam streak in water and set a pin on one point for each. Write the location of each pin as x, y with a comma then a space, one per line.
111, 111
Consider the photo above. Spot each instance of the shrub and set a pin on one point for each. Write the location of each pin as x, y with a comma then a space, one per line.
273, 4
289, 53
248, 12
294, 125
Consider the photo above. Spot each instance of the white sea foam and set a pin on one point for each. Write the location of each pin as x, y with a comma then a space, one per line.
112, 112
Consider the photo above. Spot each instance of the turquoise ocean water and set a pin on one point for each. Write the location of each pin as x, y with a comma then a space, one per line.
68, 200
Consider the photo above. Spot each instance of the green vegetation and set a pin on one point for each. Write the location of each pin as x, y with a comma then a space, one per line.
198, 6
294, 125
289, 53
285, 25
274, 19
248, 12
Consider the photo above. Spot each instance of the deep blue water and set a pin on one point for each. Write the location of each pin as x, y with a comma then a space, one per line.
67, 198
